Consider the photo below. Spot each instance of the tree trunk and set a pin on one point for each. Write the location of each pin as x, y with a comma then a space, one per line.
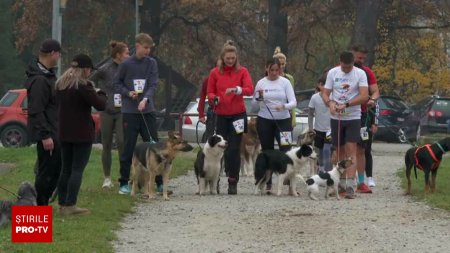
365, 29
278, 27
150, 13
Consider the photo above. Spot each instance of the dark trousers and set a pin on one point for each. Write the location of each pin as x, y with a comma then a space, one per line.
75, 157
47, 172
232, 159
110, 123
133, 125
268, 130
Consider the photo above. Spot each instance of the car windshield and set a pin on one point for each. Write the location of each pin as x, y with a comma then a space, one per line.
392, 103
9, 98
442, 105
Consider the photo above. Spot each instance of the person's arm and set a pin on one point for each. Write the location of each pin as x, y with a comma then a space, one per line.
311, 112
97, 76
40, 93
94, 98
363, 95
374, 92
290, 94
255, 107
152, 80
211, 90
119, 81
247, 84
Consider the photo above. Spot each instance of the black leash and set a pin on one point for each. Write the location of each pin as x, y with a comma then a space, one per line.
276, 124
216, 101
15, 195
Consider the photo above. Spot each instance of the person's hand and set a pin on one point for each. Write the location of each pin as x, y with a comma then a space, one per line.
332, 106
340, 108
374, 129
279, 107
228, 91
202, 119
142, 105
48, 144
133, 94
371, 103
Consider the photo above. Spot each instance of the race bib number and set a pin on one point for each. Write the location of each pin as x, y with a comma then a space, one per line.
139, 85
285, 138
117, 100
364, 134
239, 126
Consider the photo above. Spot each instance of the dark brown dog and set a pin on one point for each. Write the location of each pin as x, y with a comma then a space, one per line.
153, 159
428, 160
250, 148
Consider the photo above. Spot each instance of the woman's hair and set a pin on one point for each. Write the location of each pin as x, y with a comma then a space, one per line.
117, 47
278, 54
71, 79
227, 48
270, 62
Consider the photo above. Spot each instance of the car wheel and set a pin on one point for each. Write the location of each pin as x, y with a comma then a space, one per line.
14, 136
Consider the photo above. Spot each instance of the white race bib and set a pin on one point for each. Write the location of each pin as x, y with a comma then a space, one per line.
117, 100
239, 126
364, 134
139, 85
285, 138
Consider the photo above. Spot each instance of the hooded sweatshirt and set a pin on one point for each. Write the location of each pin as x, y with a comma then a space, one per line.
233, 103
42, 105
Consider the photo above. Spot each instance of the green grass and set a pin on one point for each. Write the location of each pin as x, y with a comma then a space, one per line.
92, 233
441, 198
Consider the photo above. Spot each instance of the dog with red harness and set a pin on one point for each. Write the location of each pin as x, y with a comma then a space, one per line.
427, 158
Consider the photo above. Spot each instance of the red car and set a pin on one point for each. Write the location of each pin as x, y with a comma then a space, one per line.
14, 116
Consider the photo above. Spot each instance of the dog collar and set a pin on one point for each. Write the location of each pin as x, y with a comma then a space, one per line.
440, 147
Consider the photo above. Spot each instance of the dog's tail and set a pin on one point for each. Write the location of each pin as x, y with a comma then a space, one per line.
300, 177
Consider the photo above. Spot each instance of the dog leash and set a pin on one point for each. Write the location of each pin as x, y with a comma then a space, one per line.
276, 124
151, 141
15, 195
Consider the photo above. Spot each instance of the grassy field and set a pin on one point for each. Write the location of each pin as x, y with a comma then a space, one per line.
92, 233
441, 198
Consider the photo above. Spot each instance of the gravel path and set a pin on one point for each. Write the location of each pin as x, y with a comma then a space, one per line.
385, 221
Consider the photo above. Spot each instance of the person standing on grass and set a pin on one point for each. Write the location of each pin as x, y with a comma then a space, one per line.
111, 117
43, 119
227, 84
320, 112
76, 96
283, 61
368, 122
347, 86
273, 98
136, 82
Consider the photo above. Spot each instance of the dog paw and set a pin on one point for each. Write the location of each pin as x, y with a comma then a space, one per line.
151, 196
166, 198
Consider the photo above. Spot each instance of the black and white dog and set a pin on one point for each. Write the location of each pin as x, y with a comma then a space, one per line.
287, 165
328, 179
208, 164
26, 197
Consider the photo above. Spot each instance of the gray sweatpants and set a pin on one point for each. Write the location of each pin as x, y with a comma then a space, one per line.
110, 123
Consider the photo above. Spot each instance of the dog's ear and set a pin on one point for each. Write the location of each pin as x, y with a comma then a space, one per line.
306, 150
212, 140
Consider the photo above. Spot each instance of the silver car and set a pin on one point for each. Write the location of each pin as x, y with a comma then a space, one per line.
192, 130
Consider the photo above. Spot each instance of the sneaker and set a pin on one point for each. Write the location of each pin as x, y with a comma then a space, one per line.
69, 210
363, 188
371, 182
159, 190
107, 183
124, 189
232, 188
349, 193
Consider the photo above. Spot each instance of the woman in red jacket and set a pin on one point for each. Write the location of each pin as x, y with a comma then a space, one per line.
76, 95
227, 84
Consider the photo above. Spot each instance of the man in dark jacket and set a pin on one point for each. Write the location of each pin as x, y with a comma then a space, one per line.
42, 118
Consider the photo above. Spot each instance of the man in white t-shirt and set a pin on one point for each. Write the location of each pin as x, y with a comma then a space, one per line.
320, 114
348, 88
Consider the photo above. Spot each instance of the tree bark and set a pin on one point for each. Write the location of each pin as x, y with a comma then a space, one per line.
277, 29
150, 13
365, 29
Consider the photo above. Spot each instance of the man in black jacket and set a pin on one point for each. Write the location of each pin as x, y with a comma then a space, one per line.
42, 118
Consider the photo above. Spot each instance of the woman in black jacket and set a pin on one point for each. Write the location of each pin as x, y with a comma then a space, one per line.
76, 95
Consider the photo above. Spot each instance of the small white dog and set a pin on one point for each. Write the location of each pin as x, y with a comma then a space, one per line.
208, 164
328, 179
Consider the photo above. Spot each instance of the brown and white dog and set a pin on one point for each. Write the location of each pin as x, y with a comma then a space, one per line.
307, 138
153, 159
427, 158
250, 148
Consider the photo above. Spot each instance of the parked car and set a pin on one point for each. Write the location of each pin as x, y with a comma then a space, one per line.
14, 117
397, 122
190, 128
433, 114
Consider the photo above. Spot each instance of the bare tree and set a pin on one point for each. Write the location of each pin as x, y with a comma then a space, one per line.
278, 27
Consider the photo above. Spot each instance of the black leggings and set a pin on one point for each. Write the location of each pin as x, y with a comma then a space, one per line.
75, 157
368, 155
232, 158
268, 130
